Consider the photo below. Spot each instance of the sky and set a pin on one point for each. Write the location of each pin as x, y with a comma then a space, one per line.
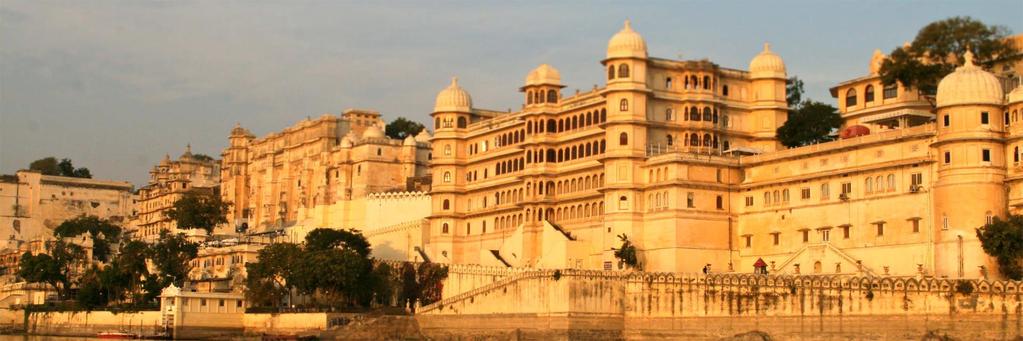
115, 85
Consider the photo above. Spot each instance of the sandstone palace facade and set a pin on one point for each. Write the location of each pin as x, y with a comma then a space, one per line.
681, 157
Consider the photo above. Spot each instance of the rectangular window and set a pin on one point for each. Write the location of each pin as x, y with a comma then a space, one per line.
775, 237
805, 193
948, 157
691, 200
825, 192
847, 188
917, 179
891, 91
916, 225
945, 120
825, 235
806, 236
749, 241
749, 201
221, 303
880, 229
984, 118
845, 232
720, 203
985, 155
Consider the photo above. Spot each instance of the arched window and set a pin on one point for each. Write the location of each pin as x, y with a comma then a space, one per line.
552, 96
447, 177
785, 195
603, 115
725, 146
891, 182
623, 203
724, 90
850, 97
447, 149
529, 97
670, 140
767, 198
623, 139
667, 83
610, 72
691, 200
868, 94
444, 228
868, 185
623, 71
707, 141
694, 140
1015, 154
667, 114
447, 204
708, 115
706, 82
623, 106
461, 122
694, 114
879, 184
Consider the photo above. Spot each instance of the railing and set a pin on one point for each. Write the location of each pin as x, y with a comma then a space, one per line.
923, 130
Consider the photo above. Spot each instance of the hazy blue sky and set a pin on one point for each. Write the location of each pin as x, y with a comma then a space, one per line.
116, 84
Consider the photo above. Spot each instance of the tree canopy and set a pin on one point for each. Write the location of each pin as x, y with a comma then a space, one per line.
54, 267
794, 91
172, 257
199, 209
1003, 239
402, 127
50, 166
809, 122
939, 48
101, 231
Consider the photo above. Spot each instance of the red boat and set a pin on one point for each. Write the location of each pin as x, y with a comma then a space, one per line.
116, 335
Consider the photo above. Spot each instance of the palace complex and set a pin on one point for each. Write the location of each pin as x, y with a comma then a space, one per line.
681, 158
168, 181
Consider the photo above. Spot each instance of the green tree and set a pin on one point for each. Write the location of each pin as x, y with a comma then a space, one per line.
54, 267
409, 287
131, 261
939, 48
431, 279
172, 257
810, 122
101, 231
46, 166
325, 238
627, 252
402, 127
793, 91
199, 209
272, 277
1003, 239
202, 157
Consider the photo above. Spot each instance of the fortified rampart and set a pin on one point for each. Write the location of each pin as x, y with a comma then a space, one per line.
631, 304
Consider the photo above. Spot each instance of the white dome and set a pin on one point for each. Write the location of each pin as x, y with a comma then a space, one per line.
1016, 96
423, 136
409, 141
453, 99
767, 64
875, 62
969, 84
544, 74
373, 132
346, 142
626, 43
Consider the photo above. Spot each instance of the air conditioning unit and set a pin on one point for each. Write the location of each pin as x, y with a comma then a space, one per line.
914, 188
844, 196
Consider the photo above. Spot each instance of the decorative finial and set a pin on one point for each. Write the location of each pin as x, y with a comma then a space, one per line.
968, 57
454, 81
628, 24
767, 47
188, 148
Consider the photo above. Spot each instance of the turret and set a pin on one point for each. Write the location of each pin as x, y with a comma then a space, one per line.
626, 133
770, 110
543, 86
971, 167
452, 113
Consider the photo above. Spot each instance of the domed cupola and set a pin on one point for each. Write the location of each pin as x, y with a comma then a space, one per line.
453, 99
544, 75
875, 62
423, 136
409, 141
767, 64
626, 43
373, 132
969, 84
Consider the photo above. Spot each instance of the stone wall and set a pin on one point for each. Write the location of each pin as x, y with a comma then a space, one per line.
285, 324
146, 323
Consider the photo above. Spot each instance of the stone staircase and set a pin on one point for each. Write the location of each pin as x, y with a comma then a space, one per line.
483, 289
